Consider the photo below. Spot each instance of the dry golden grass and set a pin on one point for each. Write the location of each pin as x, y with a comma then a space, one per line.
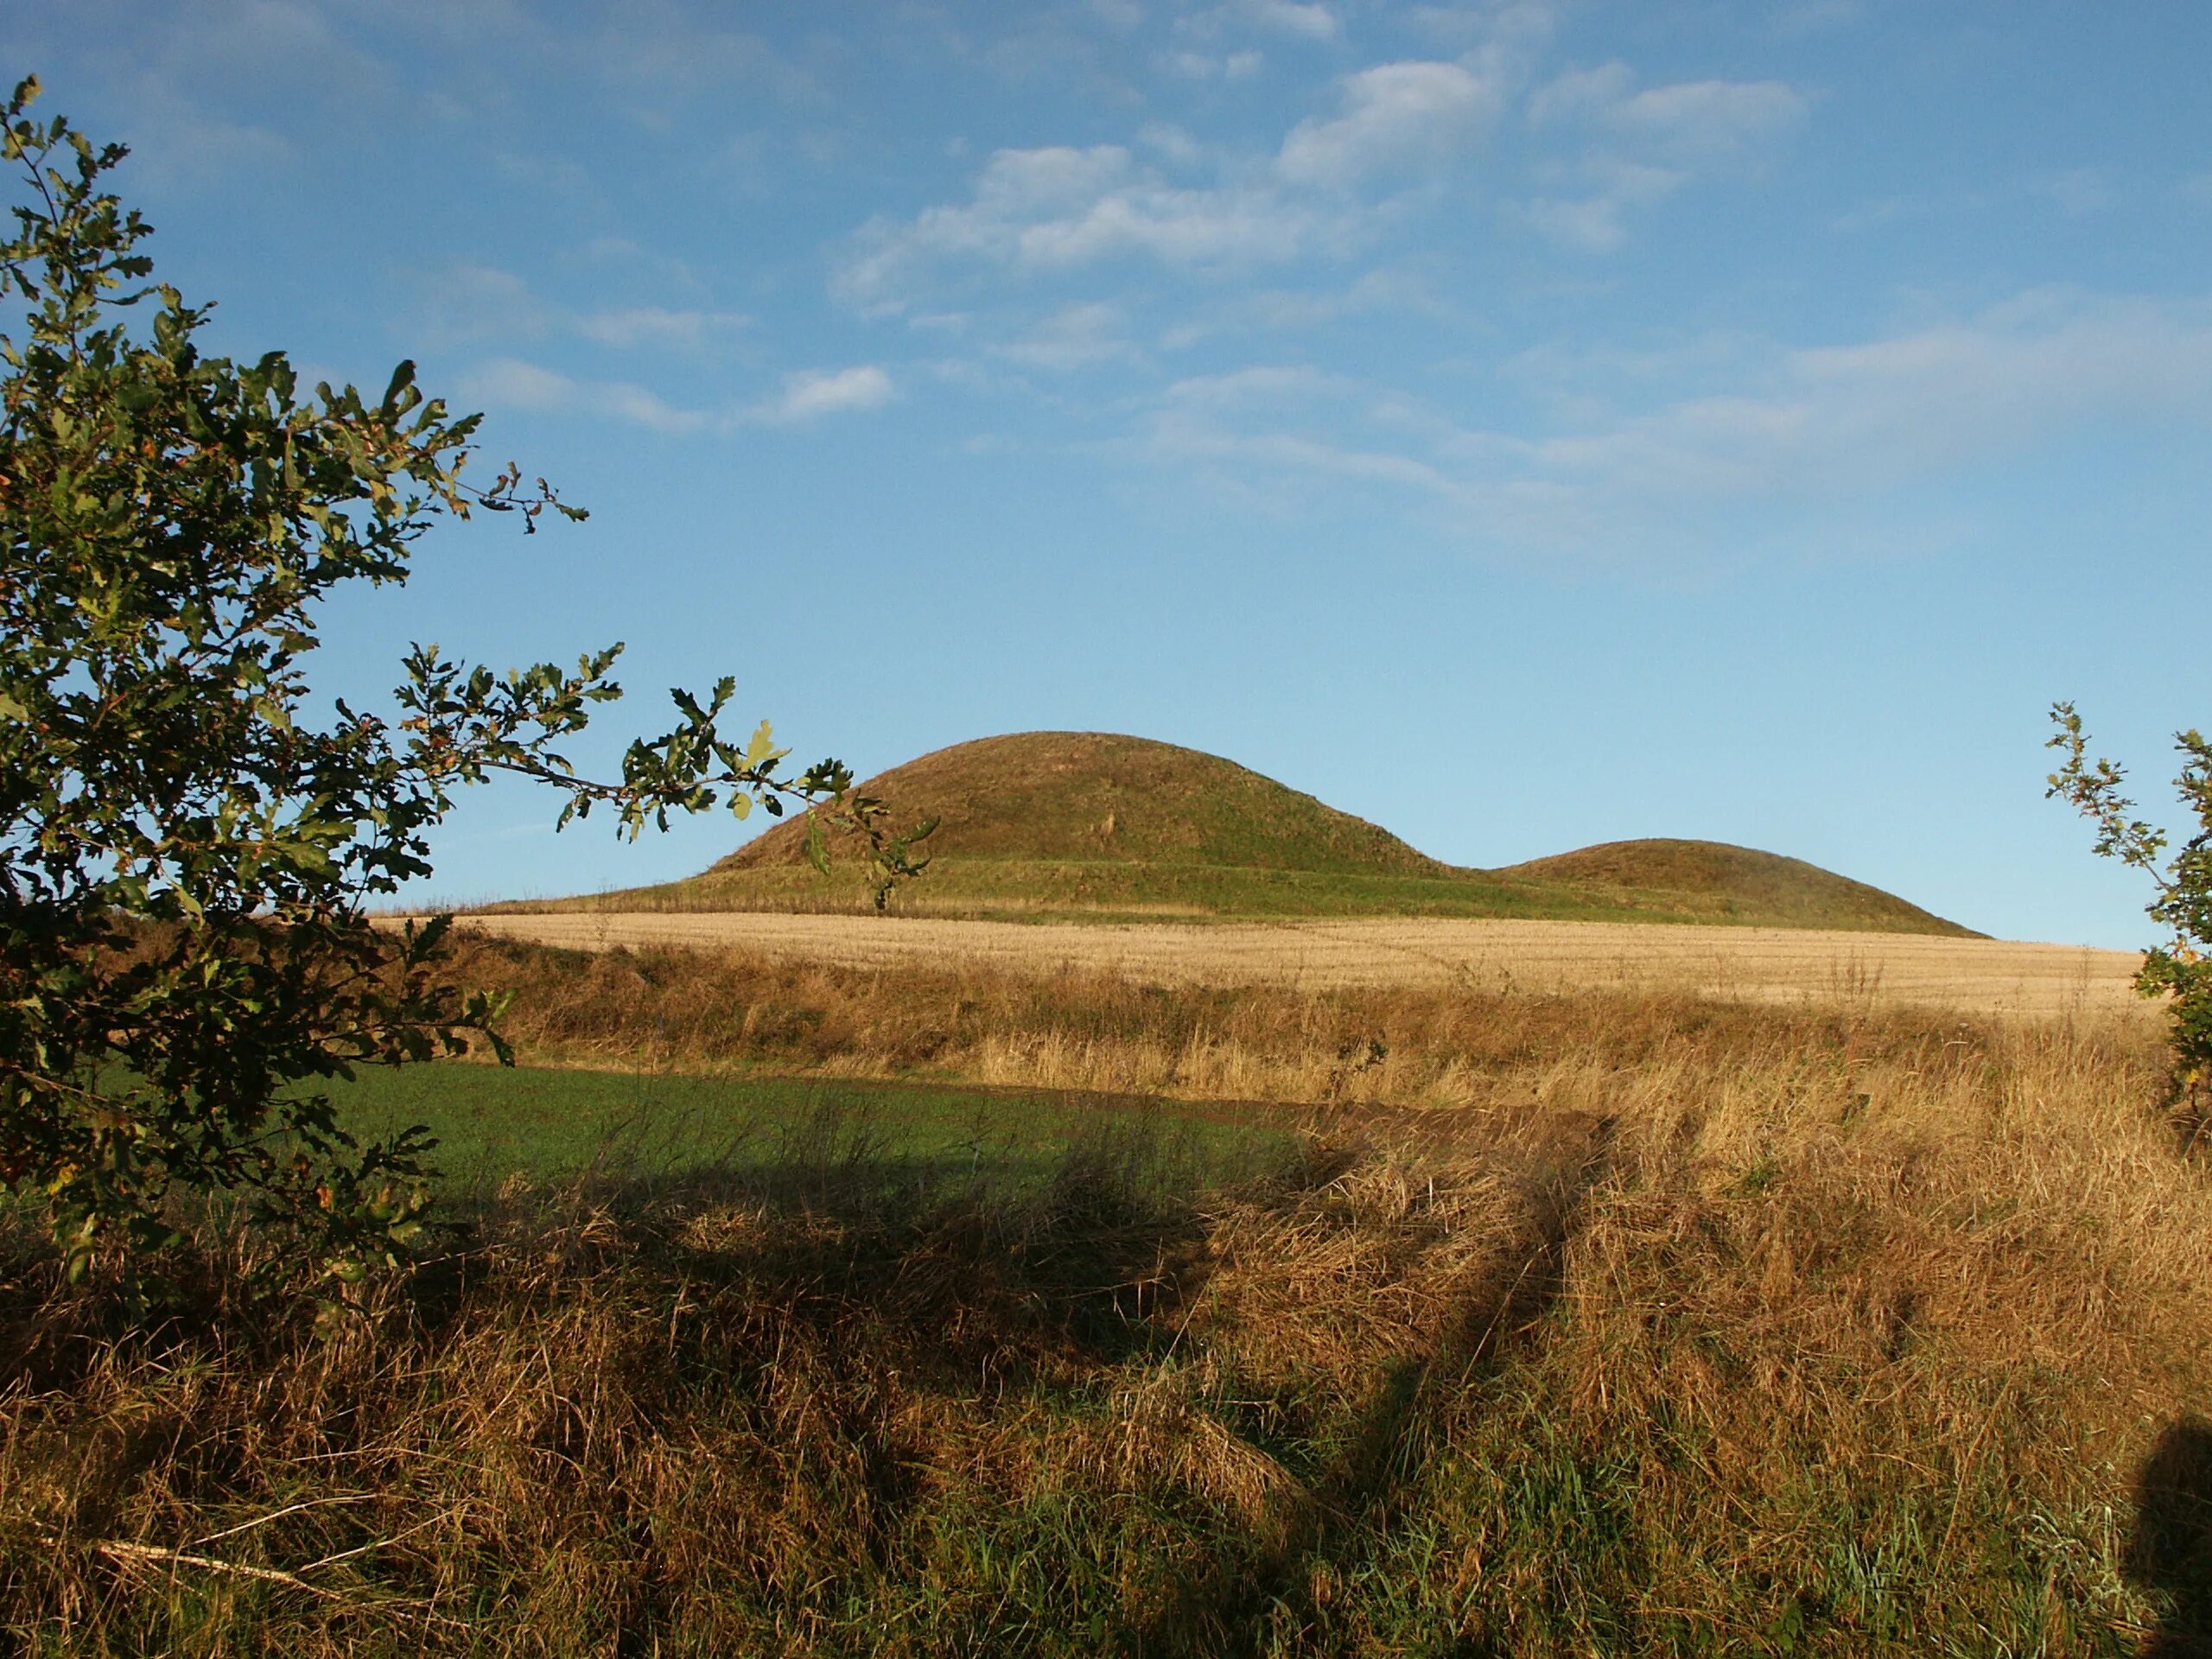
1613, 1322
1765, 964
1420, 1045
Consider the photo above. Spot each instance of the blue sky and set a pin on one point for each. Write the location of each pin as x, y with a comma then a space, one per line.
1521, 424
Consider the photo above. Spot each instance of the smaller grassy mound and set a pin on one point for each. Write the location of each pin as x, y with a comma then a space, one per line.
1743, 882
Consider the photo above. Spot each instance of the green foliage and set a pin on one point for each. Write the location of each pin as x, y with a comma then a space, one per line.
185, 856
2179, 968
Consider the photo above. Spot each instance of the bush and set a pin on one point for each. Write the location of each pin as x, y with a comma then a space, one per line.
2178, 969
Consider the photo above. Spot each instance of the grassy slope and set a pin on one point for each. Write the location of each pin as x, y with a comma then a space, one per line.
1049, 824
1093, 797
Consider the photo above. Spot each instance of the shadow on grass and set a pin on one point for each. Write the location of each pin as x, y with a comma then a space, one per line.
2170, 1554
966, 1268
749, 1388
961, 1258
1245, 1604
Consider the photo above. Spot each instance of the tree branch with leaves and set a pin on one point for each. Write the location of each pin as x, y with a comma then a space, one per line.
2180, 969
186, 857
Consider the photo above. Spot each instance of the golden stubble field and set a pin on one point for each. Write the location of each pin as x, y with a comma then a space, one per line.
1754, 964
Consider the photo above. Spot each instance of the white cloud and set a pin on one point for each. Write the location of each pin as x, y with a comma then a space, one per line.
1700, 120
1798, 438
809, 394
509, 383
1392, 114
472, 301
1171, 143
1486, 24
1597, 223
1285, 310
513, 383
1059, 208
655, 325
1193, 65
1261, 428
1313, 23
1580, 92
1690, 122
1647, 144
190, 88
1074, 337
641, 408
806, 394
1263, 386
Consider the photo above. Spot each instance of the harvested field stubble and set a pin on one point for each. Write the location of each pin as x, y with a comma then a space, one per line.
1694, 1328
1745, 964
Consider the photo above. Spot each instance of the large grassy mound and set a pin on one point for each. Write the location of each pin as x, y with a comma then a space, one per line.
1094, 798
1040, 825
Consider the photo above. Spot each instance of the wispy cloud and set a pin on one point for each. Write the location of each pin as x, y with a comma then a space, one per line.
1645, 144
514, 383
468, 302
1404, 287
1058, 209
1313, 21
1796, 433
1392, 114
1075, 337
805, 395
1597, 221
810, 394
1193, 65
1687, 121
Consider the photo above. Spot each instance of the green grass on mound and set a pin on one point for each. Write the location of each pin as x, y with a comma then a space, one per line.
1083, 825
1042, 890
1091, 798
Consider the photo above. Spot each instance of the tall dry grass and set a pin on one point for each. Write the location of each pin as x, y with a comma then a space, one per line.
1081, 1027
1601, 1324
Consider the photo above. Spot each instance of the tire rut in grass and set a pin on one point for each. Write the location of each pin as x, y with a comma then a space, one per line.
1347, 1506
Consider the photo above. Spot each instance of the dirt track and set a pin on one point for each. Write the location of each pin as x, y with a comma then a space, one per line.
1760, 963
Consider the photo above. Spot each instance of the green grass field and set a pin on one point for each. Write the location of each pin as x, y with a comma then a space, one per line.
493, 1121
